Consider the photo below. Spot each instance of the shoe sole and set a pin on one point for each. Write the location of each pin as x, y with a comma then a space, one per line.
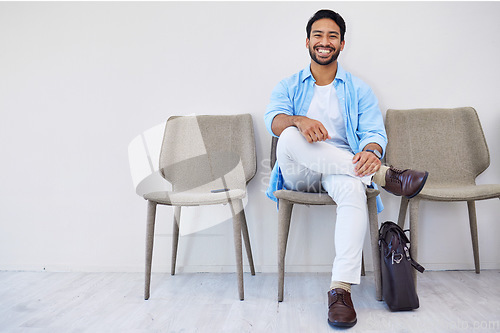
340, 324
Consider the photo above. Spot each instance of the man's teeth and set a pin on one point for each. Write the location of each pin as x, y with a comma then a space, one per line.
324, 51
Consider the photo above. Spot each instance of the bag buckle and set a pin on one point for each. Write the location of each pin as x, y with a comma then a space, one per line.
407, 254
398, 259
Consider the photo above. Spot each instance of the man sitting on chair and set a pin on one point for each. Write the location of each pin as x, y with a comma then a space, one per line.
332, 137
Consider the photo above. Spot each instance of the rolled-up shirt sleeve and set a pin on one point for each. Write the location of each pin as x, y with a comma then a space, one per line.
280, 103
371, 128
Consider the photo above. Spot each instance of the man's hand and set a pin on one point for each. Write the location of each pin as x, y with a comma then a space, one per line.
313, 130
367, 163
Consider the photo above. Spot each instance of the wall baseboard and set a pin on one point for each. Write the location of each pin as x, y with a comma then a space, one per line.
227, 268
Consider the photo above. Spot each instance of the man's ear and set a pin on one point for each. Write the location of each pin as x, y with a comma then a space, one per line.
342, 44
307, 43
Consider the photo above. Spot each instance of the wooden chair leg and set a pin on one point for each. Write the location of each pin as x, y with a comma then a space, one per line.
471, 205
414, 205
236, 208
246, 239
175, 237
373, 223
403, 208
150, 232
284, 217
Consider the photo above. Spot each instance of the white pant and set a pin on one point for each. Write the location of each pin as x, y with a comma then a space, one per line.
308, 166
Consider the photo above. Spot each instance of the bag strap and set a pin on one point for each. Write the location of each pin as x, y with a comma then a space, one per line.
417, 266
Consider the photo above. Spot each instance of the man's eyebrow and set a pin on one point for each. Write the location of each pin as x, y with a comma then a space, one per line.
330, 32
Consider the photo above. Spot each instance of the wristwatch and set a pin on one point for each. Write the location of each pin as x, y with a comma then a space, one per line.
376, 152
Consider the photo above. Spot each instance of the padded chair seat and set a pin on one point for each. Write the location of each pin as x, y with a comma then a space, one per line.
305, 198
460, 193
189, 198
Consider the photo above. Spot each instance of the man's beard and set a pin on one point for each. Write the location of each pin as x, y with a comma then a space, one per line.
325, 62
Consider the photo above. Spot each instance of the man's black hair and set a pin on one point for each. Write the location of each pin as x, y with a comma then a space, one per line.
330, 14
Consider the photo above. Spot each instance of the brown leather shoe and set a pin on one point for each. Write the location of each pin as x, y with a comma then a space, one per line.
340, 309
407, 183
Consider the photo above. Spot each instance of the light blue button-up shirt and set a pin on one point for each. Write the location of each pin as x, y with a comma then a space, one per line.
362, 117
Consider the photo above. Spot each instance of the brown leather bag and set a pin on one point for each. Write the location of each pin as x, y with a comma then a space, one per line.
398, 287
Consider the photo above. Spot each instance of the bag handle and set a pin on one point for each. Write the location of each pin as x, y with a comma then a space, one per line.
391, 226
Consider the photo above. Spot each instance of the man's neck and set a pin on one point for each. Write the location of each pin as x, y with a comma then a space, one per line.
324, 74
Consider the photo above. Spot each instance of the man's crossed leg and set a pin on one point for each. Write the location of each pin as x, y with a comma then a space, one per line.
321, 166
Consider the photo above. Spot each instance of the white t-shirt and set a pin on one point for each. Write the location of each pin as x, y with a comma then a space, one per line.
325, 108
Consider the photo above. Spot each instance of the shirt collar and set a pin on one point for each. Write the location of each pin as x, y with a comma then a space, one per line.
306, 74
341, 73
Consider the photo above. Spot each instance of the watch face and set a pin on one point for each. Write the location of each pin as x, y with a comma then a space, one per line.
376, 152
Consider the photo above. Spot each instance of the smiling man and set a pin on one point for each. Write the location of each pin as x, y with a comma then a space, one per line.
331, 139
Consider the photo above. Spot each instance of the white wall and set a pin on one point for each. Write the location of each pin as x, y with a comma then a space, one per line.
78, 81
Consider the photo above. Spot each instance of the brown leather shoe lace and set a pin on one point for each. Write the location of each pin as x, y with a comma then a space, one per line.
394, 175
339, 297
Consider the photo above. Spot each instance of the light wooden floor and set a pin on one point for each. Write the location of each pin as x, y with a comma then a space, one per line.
452, 301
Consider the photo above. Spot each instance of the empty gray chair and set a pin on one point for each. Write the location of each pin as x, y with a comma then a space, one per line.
208, 160
450, 144
288, 198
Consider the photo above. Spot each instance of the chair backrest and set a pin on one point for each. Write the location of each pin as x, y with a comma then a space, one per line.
198, 150
449, 143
